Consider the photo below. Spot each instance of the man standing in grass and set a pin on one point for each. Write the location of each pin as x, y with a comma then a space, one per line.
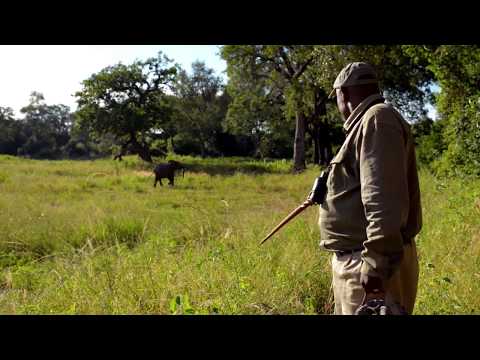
371, 212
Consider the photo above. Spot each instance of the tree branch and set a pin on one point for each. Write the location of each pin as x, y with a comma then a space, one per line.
275, 64
286, 61
302, 68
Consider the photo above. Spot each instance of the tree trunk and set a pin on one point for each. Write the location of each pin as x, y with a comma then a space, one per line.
323, 155
257, 143
314, 138
299, 144
325, 144
329, 152
145, 155
122, 152
316, 142
142, 151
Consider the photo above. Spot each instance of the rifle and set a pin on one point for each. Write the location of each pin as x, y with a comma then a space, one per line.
316, 197
289, 217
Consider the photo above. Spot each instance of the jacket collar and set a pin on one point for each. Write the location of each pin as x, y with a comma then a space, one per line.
359, 111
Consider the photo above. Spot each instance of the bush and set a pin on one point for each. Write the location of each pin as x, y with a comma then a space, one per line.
430, 143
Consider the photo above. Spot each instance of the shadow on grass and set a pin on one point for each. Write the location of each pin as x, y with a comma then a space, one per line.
219, 166
243, 167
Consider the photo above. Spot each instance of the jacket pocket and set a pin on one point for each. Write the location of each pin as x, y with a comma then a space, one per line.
338, 177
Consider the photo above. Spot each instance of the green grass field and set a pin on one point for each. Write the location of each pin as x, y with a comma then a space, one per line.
95, 237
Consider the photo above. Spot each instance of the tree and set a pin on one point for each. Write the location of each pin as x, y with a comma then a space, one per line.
457, 70
255, 114
129, 102
10, 130
281, 67
318, 129
200, 108
429, 139
303, 76
44, 129
81, 145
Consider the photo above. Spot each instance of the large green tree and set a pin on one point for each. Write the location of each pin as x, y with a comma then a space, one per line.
44, 128
257, 114
457, 71
280, 69
129, 102
199, 108
10, 129
302, 76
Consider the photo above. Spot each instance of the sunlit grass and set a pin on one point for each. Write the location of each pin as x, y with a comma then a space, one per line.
95, 237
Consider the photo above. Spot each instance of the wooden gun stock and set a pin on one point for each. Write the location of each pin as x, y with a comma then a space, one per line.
289, 217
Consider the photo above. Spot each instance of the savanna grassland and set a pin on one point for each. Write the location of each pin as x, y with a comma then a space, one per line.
95, 237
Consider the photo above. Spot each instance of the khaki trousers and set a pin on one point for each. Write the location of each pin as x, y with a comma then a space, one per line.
401, 288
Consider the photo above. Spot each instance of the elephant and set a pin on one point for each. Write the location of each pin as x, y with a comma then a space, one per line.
167, 171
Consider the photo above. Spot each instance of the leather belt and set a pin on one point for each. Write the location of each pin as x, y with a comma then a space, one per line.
347, 252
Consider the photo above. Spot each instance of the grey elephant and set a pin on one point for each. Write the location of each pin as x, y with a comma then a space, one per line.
167, 171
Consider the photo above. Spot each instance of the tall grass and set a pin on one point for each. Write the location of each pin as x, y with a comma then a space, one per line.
95, 237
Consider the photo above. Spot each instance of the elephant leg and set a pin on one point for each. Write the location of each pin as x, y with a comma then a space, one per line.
170, 181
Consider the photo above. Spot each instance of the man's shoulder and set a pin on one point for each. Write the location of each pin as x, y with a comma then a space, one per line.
383, 114
380, 109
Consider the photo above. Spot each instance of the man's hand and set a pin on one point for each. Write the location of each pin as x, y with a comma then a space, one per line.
374, 300
374, 288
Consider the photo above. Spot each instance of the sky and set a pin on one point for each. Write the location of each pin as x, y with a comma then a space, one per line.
57, 71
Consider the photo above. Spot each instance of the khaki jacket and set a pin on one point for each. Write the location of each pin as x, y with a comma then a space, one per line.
373, 197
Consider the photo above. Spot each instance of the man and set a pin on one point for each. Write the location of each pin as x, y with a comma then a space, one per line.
371, 211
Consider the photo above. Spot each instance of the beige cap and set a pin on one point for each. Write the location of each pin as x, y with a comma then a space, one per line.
356, 73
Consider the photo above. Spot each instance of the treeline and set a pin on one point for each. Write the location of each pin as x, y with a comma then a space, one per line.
274, 105
46, 132
146, 108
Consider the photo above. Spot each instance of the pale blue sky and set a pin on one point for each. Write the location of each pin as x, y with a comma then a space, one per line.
58, 70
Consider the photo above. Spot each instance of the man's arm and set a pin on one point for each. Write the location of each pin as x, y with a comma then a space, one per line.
384, 191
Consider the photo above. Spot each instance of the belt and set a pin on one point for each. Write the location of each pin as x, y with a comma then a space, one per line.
407, 241
347, 252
